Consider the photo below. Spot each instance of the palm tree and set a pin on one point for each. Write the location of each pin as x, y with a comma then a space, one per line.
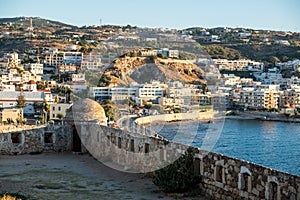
46, 109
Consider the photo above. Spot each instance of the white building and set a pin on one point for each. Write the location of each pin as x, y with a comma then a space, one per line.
12, 59
80, 77
58, 108
71, 47
35, 68
91, 61
144, 91
114, 94
176, 102
30, 86
244, 65
263, 97
8, 99
151, 91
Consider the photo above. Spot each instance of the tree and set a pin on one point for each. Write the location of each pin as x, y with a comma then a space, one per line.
56, 99
147, 106
204, 88
60, 116
46, 109
111, 112
21, 103
274, 59
131, 103
178, 176
41, 86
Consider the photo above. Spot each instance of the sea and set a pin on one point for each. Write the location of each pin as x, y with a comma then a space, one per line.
271, 144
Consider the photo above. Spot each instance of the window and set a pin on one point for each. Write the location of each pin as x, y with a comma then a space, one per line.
244, 182
197, 166
53, 115
119, 142
132, 145
53, 108
16, 138
113, 139
48, 138
273, 191
59, 109
219, 173
147, 148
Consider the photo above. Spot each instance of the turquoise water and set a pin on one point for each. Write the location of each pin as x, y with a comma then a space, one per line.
272, 144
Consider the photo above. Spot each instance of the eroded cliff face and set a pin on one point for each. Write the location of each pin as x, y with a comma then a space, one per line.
125, 70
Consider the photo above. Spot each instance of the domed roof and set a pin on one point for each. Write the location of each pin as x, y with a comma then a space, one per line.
88, 110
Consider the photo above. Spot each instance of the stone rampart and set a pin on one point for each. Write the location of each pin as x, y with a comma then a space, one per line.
223, 177
43, 139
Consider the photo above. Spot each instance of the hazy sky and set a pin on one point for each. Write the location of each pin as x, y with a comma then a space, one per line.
258, 14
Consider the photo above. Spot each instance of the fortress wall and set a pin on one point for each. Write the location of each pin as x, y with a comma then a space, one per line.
223, 177
30, 141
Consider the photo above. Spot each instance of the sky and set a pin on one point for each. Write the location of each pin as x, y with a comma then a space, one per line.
280, 15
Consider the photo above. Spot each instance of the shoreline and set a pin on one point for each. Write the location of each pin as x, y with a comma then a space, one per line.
262, 116
210, 117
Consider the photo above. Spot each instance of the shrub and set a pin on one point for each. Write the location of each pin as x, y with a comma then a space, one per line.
178, 176
12, 196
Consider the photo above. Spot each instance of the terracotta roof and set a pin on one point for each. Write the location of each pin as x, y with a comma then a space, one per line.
32, 82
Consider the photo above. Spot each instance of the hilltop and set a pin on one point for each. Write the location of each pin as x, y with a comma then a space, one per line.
261, 45
222, 42
126, 70
37, 22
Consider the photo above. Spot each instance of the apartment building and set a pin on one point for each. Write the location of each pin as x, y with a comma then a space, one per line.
78, 77
54, 58
74, 58
66, 68
35, 68
176, 102
240, 65
12, 59
91, 61
201, 99
59, 58
290, 98
151, 91
146, 92
259, 98
114, 94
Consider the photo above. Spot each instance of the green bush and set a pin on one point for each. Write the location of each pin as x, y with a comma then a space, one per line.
178, 176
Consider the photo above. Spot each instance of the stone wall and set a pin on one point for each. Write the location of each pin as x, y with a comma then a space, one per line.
223, 177
44, 139
196, 115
